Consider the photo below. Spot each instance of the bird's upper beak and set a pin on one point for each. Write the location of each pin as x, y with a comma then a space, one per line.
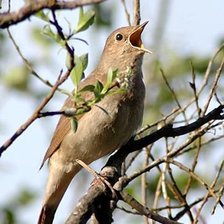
135, 38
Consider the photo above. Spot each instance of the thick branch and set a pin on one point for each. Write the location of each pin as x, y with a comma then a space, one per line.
116, 160
32, 7
166, 131
99, 197
97, 200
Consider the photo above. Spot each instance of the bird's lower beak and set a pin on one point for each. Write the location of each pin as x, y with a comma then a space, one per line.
135, 38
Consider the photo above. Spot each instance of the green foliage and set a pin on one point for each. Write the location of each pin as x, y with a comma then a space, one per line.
84, 60
9, 211
77, 72
37, 35
9, 216
86, 19
111, 75
43, 16
17, 78
74, 124
25, 197
103, 15
53, 35
98, 91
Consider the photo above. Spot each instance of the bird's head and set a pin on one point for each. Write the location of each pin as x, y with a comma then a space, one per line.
123, 47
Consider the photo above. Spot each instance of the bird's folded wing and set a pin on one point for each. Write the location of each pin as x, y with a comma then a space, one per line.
64, 124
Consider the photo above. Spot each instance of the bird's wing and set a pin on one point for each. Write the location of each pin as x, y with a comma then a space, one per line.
64, 124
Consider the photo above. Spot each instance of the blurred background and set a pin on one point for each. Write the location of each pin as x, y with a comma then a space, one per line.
178, 32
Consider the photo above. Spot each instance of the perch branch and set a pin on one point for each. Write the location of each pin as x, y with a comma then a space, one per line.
31, 7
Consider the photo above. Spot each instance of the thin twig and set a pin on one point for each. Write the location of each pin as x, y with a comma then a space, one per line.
173, 94
214, 86
144, 210
34, 116
126, 12
144, 184
29, 65
220, 193
195, 176
137, 16
193, 86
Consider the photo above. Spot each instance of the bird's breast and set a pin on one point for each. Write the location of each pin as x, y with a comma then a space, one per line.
108, 125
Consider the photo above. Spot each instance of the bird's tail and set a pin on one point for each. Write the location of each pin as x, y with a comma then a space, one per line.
57, 184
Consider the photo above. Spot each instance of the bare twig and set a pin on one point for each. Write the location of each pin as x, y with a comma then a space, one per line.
126, 12
34, 116
29, 65
59, 29
137, 16
195, 176
193, 86
221, 191
214, 86
173, 94
144, 184
144, 210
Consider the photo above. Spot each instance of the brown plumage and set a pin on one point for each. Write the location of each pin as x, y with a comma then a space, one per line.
106, 126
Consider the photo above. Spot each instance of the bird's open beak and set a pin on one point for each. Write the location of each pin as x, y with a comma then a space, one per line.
135, 38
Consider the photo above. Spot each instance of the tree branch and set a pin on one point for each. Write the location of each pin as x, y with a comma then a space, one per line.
31, 7
84, 208
166, 131
35, 115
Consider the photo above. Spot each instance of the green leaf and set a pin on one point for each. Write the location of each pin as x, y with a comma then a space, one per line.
86, 19
111, 75
77, 73
42, 16
17, 78
26, 197
84, 60
48, 32
98, 88
89, 88
37, 34
54, 36
9, 215
74, 124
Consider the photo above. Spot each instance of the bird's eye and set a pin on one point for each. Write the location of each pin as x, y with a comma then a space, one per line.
119, 36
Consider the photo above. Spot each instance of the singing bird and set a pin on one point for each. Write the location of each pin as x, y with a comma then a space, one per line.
107, 126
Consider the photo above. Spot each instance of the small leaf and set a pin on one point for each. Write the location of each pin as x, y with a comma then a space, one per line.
54, 36
42, 16
111, 75
89, 88
68, 61
48, 32
37, 34
77, 73
85, 20
82, 110
18, 78
98, 88
84, 60
74, 124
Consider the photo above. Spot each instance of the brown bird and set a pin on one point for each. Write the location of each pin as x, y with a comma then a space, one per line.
107, 126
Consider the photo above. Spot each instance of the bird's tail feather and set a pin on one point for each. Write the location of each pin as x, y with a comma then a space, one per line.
46, 215
57, 184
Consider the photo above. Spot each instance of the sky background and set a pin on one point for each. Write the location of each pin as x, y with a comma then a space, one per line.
192, 26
